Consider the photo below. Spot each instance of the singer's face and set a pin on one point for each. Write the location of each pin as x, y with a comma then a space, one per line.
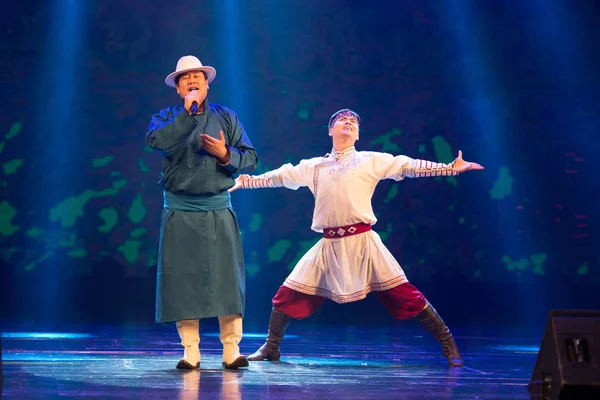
195, 80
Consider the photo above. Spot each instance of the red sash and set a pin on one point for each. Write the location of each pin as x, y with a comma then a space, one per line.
343, 231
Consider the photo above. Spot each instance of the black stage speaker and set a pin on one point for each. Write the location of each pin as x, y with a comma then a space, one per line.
568, 363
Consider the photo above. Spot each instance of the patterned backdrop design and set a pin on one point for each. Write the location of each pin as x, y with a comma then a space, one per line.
530, 216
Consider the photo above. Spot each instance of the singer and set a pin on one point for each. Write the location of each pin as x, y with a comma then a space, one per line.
201, 272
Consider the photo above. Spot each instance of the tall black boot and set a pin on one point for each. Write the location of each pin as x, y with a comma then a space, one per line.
430, 320
269, 351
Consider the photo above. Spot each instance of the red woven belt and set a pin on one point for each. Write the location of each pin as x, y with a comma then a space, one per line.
343, 231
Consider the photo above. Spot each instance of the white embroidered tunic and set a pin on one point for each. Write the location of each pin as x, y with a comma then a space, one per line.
346, 269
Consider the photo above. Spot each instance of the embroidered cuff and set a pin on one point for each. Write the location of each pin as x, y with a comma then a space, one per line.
427, 168
255, 182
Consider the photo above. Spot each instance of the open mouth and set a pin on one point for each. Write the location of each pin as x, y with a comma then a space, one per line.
193, 88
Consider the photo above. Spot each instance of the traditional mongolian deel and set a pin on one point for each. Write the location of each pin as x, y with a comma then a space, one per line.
200, 264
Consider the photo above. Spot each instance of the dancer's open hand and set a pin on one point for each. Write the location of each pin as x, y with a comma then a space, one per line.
461, 165
238, 182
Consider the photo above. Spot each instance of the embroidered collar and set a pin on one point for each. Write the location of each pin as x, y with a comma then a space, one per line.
341, 154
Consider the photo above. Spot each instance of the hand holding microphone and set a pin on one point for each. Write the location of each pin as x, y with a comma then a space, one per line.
191, 103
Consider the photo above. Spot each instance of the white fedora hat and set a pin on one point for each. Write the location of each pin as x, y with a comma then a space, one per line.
187, 64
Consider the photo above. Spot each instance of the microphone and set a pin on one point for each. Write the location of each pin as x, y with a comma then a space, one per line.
194, 107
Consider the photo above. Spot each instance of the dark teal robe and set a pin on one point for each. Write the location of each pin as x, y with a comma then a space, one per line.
201, 269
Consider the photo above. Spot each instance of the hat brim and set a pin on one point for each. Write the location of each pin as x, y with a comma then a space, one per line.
210, 74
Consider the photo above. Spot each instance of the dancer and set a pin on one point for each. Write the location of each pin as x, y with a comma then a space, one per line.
350, 260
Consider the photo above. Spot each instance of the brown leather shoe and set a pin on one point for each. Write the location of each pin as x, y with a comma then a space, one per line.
183, 364
239, 362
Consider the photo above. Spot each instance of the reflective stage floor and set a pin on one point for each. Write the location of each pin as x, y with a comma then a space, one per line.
347, 363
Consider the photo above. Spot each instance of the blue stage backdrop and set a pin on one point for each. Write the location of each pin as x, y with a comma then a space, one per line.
512, 85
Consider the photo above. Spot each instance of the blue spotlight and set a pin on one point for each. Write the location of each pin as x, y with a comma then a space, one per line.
60, 84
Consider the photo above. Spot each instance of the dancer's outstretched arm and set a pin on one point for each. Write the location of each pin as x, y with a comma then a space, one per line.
288, 175
387, 166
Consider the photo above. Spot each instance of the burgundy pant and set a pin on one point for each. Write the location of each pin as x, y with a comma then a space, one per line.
402, 302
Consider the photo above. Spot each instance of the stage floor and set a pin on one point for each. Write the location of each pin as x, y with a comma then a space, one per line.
346, 363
